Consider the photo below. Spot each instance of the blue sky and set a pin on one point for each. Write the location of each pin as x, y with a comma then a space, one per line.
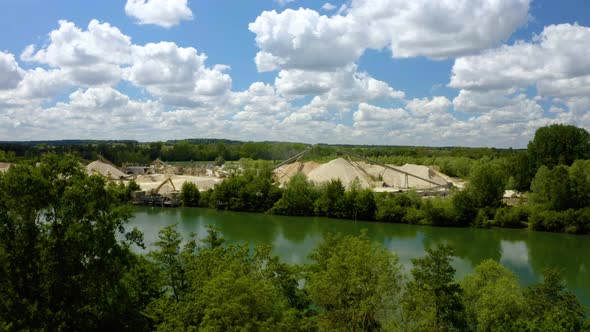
475, 73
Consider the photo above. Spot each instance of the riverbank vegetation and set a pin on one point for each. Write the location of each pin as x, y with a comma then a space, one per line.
66, 265
553, 167
553, 173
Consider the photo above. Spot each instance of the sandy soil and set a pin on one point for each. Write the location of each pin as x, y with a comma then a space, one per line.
202, 182
104, 169
368, 175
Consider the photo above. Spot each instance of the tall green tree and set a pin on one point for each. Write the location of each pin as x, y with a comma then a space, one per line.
189, 194
330, 202
253, 191
61, 258
354, 283
361, 204
486, 185
559, 144
298, 198
550, 307
552, 189
169, 258
579, 174
229, 288
493, 298
484, 190
432, 301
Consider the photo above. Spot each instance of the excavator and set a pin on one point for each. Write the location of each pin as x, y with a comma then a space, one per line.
153, 196
156, 190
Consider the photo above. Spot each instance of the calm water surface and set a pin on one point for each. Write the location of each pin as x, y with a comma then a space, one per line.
526, 253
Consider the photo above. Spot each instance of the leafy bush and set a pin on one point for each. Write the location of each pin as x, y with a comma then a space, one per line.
569, 221
189, 194
511, 217
297, 199
394, 208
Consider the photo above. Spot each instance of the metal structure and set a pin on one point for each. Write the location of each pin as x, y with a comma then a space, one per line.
293, 160
156, 190
436, 185
153, 197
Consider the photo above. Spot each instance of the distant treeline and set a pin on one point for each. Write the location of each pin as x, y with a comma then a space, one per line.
134, 152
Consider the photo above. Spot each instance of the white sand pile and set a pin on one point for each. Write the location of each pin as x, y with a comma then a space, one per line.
340, 169
202, 182
104, 169
369, 175
422, 177
4, 167
423, 172
309, 166
286, 172
151, 178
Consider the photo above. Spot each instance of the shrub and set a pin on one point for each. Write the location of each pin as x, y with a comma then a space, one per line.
189, 194
511, 217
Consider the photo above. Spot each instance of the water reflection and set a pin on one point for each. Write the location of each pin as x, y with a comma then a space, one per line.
525, 253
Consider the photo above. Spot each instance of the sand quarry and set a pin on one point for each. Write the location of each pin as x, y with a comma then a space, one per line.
148, 182
368, 176
151, 181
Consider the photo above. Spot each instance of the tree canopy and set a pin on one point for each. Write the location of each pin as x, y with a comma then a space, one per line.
62, 260
559, 144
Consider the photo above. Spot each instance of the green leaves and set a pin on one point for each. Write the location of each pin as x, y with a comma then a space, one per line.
432, 301
189, 194
493, 298
559, 144
552, 308
223, 288
252, 191
59, 253
354, 283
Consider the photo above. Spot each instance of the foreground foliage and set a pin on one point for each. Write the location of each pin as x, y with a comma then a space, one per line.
61, 265
66, 265
350, 284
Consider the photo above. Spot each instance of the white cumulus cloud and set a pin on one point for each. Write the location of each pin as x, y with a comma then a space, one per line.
344, 85
10, 72
440, 29
177, 74
165, 13
103, 55
425, 107
304, 39
328, 6
90, 57
559, 53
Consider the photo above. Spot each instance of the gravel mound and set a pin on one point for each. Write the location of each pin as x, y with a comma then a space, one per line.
202, 182
4, 167
344, 171
369, 175
104, 169
286, 172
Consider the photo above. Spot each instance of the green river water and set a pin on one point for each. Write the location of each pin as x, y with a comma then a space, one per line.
293, 238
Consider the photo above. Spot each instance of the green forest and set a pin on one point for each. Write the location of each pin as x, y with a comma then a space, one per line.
66, 264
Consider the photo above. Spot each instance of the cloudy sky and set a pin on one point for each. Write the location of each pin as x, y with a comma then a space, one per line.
420, 72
